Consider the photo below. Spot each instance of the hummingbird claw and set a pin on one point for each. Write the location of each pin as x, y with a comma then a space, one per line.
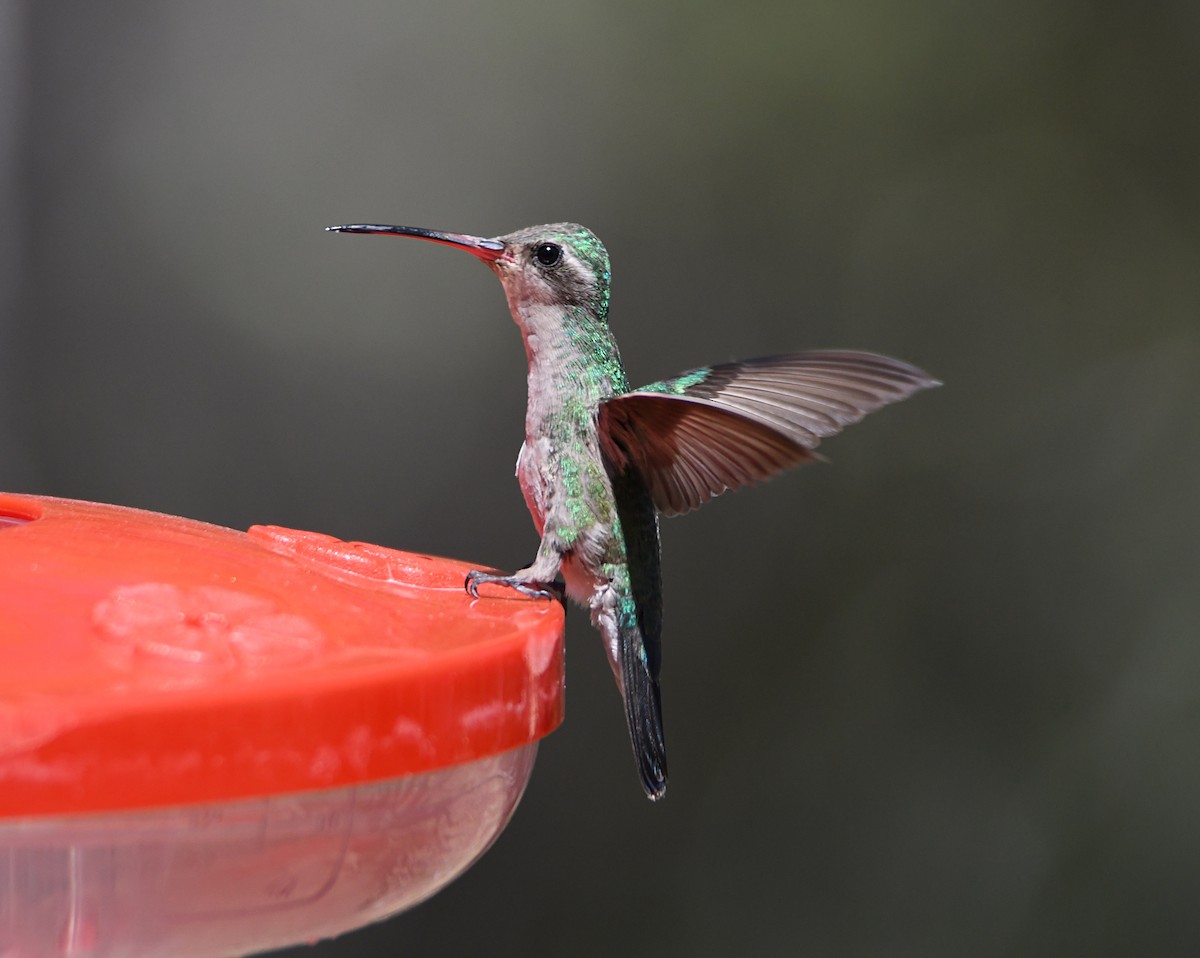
535, 590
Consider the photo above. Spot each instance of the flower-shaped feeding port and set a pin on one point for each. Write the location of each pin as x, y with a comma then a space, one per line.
204, 628
214, 743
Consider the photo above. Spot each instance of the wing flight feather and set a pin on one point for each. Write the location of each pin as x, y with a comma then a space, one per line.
709, 430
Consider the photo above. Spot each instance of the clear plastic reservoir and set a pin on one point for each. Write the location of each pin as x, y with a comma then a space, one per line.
239, 877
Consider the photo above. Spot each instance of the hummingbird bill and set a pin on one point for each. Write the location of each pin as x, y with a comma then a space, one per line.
601, 461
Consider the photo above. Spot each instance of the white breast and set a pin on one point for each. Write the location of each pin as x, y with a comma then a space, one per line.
535, 484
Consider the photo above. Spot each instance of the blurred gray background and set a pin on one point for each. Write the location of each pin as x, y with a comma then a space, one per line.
939, 697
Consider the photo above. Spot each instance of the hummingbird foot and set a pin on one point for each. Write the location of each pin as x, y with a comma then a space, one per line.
531, 588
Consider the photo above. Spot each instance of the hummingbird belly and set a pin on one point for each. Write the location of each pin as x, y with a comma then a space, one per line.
574, 518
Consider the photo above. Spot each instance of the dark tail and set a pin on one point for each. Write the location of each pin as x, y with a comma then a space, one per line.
643, 712
639, 629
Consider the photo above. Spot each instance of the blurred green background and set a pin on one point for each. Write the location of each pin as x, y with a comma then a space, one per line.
939, 697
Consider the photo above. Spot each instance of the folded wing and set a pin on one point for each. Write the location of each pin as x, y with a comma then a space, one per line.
709, 430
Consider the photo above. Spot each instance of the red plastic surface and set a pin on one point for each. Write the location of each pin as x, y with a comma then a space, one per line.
147, 660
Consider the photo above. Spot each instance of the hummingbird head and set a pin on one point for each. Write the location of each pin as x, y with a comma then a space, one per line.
561, 264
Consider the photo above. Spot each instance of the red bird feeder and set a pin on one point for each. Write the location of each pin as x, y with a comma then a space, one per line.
215, 742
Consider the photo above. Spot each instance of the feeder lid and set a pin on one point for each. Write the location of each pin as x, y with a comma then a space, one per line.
147, 660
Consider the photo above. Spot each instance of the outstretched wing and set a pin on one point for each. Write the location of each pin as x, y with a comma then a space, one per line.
694, 436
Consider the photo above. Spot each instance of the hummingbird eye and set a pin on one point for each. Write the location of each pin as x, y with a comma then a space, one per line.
548, 254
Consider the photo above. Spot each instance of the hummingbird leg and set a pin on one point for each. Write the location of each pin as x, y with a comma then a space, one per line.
532, 588
538, 580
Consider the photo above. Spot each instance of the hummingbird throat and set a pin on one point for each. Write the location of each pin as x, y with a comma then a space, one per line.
571, 353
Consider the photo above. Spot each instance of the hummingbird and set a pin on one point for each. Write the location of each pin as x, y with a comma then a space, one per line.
601, 461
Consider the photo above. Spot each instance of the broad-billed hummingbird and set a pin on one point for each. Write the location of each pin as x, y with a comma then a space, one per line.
600, 461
